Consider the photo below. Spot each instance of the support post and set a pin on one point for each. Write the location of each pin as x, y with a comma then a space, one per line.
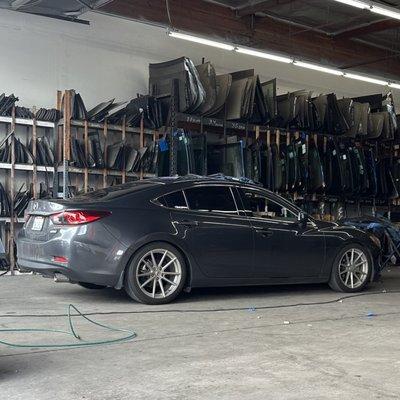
105, 134
141, 139
34, 154
173, 145
86, 141
12, 191
123, 128
66, 139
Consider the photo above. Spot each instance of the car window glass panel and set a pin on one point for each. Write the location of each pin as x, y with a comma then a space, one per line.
260, 206
211, 199
174, 200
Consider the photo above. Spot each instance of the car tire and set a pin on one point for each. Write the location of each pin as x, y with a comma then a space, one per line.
352, 269
156, 274
92, 286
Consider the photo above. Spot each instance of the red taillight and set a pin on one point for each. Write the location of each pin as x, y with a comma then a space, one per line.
77, 217
60, 259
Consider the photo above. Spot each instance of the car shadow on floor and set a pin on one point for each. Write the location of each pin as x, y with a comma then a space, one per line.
197, 295
250, 292
221, 294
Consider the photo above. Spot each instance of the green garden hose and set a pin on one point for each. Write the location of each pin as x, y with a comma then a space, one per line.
72, 332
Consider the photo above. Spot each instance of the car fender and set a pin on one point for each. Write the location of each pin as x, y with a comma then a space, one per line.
338, 236
194, 272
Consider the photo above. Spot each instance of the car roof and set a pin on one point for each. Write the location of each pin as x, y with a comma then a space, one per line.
171, 183
152, 188
156, 185
191, 178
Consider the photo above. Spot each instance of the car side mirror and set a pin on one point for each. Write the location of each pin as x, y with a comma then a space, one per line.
302, 219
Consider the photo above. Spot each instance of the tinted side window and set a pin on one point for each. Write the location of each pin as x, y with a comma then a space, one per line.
259, 206
211, 199
173, 200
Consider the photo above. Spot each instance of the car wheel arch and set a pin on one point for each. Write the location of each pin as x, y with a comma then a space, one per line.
365, 247
135, 250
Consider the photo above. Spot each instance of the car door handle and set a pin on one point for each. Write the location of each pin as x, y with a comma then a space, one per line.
266, 232
189, 223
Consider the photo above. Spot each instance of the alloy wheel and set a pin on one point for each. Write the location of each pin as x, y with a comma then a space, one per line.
353, 268
159, 273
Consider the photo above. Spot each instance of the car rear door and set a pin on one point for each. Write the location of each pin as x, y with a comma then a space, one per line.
283, 249
219, 239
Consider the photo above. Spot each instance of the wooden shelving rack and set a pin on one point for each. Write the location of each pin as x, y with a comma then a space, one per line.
9, 225
65, 133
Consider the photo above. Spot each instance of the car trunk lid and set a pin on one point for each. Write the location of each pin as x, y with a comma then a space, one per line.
39, 226
45, 208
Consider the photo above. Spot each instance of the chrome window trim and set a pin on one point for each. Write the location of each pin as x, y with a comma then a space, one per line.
157, 202
234, 200
187, 203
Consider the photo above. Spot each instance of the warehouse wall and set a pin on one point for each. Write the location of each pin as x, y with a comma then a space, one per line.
109, 59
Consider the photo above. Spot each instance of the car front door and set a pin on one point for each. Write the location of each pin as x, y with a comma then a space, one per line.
219, 239
283, 248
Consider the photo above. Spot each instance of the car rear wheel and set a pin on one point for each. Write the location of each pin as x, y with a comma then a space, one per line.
351, 270
156, 274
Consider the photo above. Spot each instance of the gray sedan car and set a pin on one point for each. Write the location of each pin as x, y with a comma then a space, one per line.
156, 237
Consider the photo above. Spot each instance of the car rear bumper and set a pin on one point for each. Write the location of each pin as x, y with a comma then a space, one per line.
91, 255
73, 274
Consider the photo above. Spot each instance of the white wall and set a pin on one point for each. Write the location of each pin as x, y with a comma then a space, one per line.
110, 58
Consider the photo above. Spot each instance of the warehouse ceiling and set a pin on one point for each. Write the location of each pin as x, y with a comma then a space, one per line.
322, 31
65, 9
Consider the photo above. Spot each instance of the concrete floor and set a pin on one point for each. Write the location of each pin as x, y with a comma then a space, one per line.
332, 351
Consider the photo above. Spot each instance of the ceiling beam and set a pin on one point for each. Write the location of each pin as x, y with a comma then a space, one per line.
221, 23
366, 29
261, 6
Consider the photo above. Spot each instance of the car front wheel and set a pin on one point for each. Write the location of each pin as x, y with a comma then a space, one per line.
351, 269
156, 274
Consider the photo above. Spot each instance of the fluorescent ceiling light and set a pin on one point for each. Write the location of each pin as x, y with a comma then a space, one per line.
282, 59
366, 79
261, 54
390, 12
318, 68
355, 3
200, 40
386, 12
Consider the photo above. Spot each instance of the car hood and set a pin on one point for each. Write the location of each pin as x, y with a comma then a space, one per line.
348, 231
328, 226
325, 224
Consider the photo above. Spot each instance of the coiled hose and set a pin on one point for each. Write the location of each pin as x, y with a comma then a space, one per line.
72, 332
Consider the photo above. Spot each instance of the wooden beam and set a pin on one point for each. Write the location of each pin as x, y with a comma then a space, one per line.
261, 6
367, 29
221, 23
